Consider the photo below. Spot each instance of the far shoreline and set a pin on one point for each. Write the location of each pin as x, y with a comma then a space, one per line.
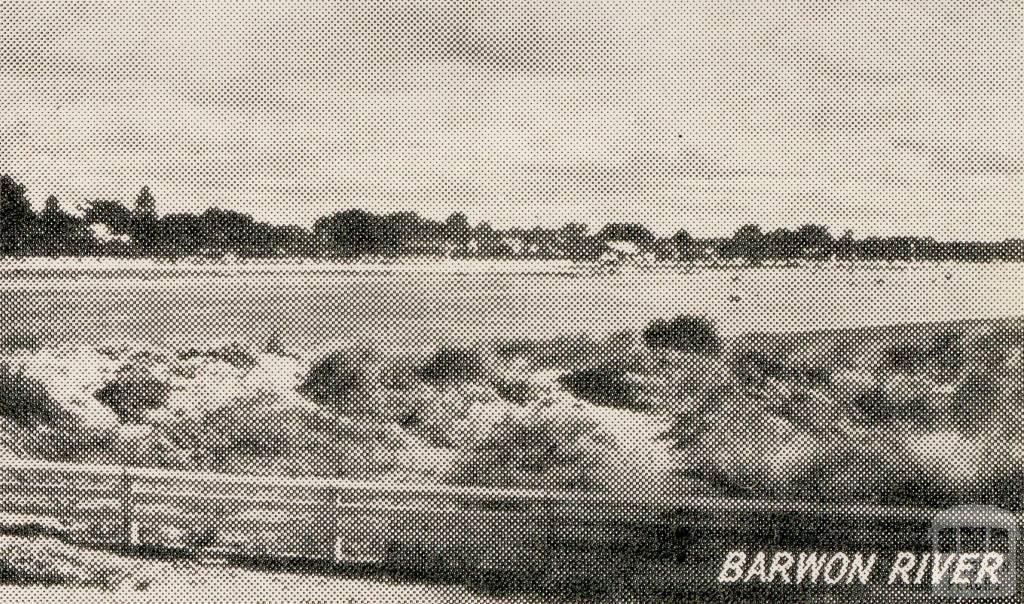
41, 267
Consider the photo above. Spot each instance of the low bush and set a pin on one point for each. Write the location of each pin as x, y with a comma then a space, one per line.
287, 441
551, 447
753, 367
274, 346
452, 366
905, 358
685, 333
517, 389
605, 385
132, 392
342, 375
20, 340
23, 398
974, 403
943, 356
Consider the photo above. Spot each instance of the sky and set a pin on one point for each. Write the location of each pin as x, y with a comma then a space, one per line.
891, 117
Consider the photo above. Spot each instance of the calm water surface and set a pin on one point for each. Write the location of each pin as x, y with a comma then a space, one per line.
411, 310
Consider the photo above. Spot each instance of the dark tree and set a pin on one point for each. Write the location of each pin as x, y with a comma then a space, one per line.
349, 233
748, 242
780, 244
604, 385
226, 230
845, 246
684, 245
180, 235
144, 222
573, 241
457, 228
112, 214
59, 233
626, 231
16, 216
814, 241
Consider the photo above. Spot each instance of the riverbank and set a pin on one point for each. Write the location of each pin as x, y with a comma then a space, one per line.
120, 267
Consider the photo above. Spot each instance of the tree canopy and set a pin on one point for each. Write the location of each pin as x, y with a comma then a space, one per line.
109, 227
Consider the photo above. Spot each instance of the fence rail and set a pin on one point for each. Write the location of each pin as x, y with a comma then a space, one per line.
346, 521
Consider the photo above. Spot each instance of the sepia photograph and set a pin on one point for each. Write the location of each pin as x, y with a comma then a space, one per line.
494, 301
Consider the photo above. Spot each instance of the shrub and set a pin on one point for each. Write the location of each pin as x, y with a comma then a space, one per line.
899, 398
274, 346
289, 441
20, 340
905, 358
516, 389
947, 349
23, 398
342, 375
754, 366
452, 366
974, 403
545, 447
684, 333
944, 355
132, 392
604, 385
233, 354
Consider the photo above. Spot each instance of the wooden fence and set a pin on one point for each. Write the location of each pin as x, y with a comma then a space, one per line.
378, 523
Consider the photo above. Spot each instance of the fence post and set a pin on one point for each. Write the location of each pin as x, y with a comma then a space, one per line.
331, 526
127, 533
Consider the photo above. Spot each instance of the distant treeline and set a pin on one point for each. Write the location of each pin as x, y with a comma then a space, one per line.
111, 228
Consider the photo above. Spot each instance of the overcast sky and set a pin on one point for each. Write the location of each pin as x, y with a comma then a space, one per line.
901, 116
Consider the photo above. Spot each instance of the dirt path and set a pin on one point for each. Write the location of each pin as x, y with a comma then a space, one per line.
174, 583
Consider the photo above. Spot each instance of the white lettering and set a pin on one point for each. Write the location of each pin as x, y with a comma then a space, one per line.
923, 566
990, 563
861, 570
939, 569
757, 569
832, 577
781, 563
964, 564
809, 563
732, 567
901, 567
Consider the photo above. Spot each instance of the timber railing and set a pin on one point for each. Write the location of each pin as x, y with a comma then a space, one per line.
369, 522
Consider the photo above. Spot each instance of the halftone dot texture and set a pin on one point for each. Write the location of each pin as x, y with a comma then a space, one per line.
529, 300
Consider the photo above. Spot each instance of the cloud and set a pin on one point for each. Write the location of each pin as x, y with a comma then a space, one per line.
964, 159
688, 111
687, 162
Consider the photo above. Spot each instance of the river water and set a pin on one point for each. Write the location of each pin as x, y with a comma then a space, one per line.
414, 309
